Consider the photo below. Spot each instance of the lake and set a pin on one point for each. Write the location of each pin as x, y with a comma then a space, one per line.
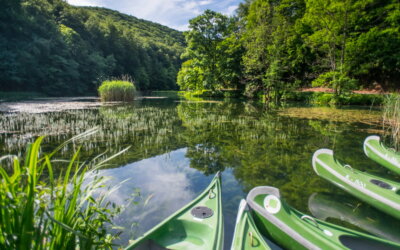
176, 147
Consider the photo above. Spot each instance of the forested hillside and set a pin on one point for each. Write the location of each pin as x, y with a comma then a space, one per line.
274, 46
51, 47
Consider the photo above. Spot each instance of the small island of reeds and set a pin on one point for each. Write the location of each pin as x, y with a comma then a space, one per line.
117, 90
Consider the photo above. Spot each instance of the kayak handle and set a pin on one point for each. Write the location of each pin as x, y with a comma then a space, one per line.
211, 194
349, 167
251, 238
304, 217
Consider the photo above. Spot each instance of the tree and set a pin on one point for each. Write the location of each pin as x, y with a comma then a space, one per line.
214, 51
330, 21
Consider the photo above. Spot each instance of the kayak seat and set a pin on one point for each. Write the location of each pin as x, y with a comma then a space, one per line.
357, 243
150, 245
184, 234
381, 184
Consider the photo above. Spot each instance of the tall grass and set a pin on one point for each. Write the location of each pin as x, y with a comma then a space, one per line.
39, 210
391, 118
117, 90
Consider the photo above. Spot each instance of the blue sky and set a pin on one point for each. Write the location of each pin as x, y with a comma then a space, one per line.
172, 13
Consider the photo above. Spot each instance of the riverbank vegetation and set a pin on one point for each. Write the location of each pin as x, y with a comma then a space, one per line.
270, 48
43, 208
391, 118
57, 49
117, 90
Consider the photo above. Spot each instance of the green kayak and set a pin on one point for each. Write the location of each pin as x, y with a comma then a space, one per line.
371, 220
378, 192
376, 151
198, 225
292, 229
246, 235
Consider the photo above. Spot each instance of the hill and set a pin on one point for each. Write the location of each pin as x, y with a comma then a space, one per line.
51, 47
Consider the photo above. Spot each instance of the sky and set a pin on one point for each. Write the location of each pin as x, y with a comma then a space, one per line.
172, 13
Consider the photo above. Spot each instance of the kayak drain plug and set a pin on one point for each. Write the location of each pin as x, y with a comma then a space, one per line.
201, 212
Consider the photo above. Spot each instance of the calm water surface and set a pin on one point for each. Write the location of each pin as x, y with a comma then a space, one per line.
176, 147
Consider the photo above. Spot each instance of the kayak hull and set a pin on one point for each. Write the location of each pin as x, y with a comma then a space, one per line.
198, 225
384, 156
379, 192
292, 229
246, 235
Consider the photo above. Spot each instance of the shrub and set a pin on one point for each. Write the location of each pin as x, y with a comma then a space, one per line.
117, 90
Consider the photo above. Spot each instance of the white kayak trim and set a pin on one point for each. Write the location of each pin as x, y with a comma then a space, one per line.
271, 218
368, 192
385, 157
242, 208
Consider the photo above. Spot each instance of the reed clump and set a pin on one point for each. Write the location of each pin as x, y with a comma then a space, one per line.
391, 118
43, 209
117, 91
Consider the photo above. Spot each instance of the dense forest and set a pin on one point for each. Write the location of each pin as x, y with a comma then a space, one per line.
273, 46
51, 47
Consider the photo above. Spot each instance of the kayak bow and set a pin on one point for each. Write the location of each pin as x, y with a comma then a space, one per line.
379, 192
386, 157
295, 230
198, 225
246, 235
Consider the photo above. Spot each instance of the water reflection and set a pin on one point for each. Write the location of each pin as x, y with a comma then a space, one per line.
176, 147
362, 216
166, 184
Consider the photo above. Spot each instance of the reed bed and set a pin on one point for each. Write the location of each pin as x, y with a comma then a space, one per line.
40, 209
391, 118
117, 90
146, 129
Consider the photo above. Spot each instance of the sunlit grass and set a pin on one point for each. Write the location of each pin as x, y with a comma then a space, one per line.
391, 117
42, 209
117, 90
147, 129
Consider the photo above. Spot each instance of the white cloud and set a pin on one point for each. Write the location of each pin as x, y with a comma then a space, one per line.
173, 13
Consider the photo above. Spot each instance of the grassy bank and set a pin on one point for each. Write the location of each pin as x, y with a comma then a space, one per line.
43, 209
331, 99
225, 93
296, 96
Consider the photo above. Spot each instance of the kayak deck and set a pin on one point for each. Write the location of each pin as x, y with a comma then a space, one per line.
295, 230
381, 193
375, 150
198, 225
246, 235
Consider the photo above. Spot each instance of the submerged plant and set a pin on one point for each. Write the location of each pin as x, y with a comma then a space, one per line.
40, 209
391, 118
117, 90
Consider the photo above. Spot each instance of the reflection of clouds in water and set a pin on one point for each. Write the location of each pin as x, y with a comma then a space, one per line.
167, 178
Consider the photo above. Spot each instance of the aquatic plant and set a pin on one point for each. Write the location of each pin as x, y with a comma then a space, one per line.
117, 90
42, 209
391, 118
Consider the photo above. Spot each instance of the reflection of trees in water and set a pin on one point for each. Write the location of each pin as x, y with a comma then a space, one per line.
264, 147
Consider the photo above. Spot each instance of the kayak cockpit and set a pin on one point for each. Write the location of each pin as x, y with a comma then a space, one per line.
358, 243
149, 245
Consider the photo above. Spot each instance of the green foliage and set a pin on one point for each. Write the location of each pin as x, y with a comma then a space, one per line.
213, 53
117, 90
340, 82
57, 49
273, 47
42, 210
